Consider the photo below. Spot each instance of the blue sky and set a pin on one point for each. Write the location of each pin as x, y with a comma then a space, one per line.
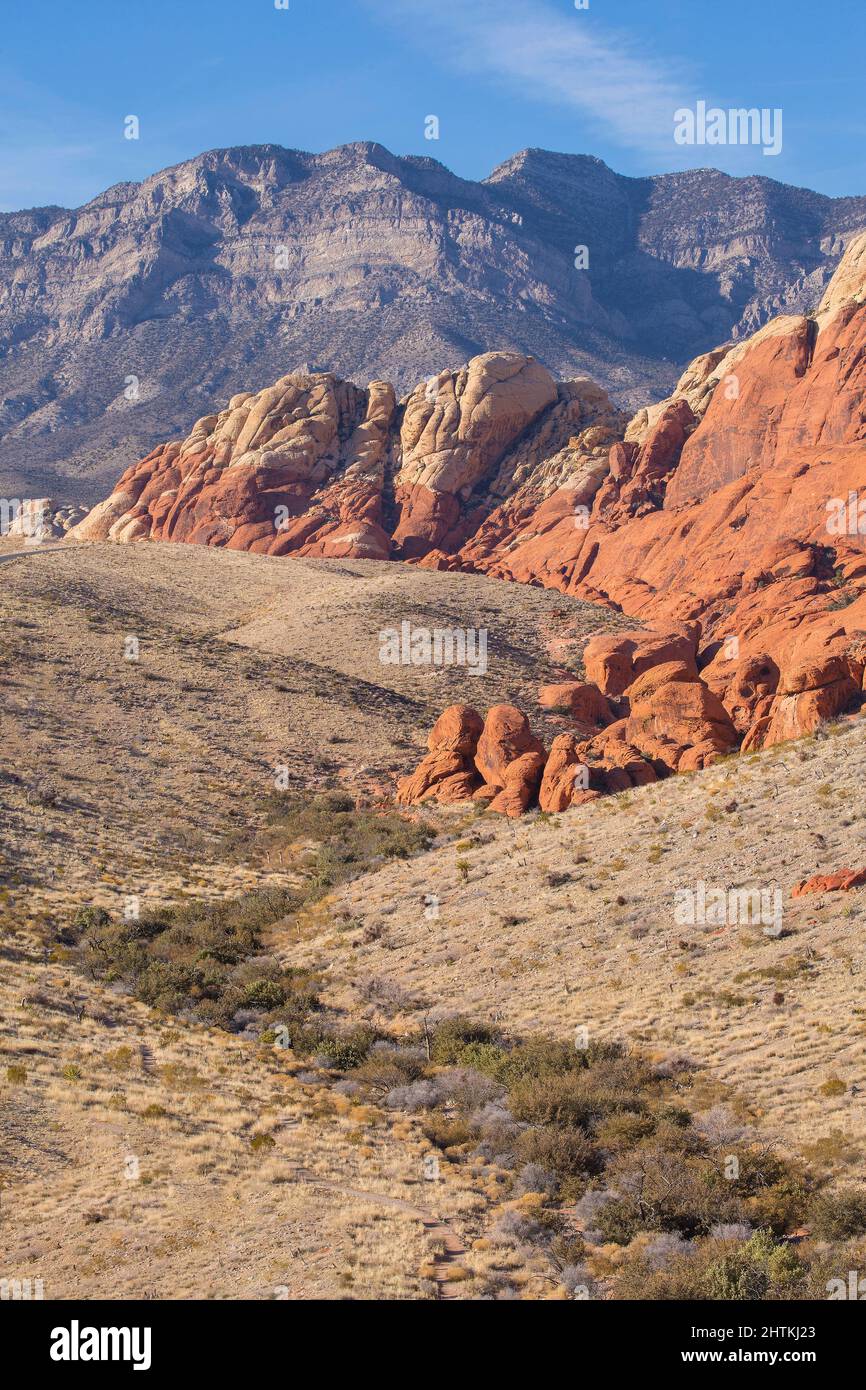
500, 75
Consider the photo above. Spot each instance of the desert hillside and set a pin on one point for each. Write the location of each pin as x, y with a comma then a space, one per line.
569, 921
129, 774
727, 516
129, 1137
289, 1043
445, 917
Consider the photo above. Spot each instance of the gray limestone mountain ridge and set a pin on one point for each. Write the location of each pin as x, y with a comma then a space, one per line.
124, 320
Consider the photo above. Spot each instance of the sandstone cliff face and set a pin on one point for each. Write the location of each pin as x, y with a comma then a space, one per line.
455, 429
311, 465
730, 518
742, 532
122, 320
298, 467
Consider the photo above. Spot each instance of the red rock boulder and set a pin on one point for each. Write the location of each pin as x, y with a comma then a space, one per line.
566, 776
585, 703
683, 723
613, 662
506, 736
840, 881
522, 778
447, 774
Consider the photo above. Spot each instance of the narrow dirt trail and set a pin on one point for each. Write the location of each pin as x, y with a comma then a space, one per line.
452, 1246
48, 548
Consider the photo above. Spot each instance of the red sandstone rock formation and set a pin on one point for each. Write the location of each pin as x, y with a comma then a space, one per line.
566, 776
507, 746
841, 880
584, 702
730, 517
447, 773
672, 722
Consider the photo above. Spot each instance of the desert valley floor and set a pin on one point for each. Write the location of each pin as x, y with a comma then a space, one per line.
151, 778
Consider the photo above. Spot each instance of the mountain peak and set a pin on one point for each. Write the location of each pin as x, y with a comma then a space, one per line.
219, 272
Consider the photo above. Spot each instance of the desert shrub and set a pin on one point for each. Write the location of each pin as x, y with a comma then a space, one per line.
738, 1275
573, 1098
468, 1090
120, 1059
838, 1215
260, 1143
566, 1250
453, 1036
577, 1281
663, 1249
417, 1095
445, 1132
716, 1269
348, 1050
388, 996
780, 1206
833, 1086
496, 1132
541, 1057
516, 1228
564, 1150
732, 1230
262, 994
201, 959
483, 1057
532, 1177
784, 1268
82, 920
623, 1130
386, 1066
659, 1189
191, 958
346, 840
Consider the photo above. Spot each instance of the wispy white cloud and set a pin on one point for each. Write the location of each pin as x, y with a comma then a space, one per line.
565, 57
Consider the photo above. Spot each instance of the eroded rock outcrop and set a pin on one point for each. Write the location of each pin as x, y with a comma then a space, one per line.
730, 517
295, 469
670, 721
313, 465
732, 506
840, 881
455, 430
582, 700
448, 771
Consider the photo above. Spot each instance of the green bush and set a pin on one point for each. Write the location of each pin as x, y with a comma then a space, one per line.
564, 1150
348, 1051
838, 1215
735, 1277
452, 1038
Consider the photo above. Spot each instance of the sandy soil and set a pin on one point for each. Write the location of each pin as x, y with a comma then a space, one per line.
568, 922
121, 777
126, 1163
143, 777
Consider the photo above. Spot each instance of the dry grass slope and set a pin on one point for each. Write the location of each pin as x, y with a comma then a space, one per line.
567, 922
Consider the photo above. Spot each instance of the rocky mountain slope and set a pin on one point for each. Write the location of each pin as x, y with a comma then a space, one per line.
727, 517
119, 320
